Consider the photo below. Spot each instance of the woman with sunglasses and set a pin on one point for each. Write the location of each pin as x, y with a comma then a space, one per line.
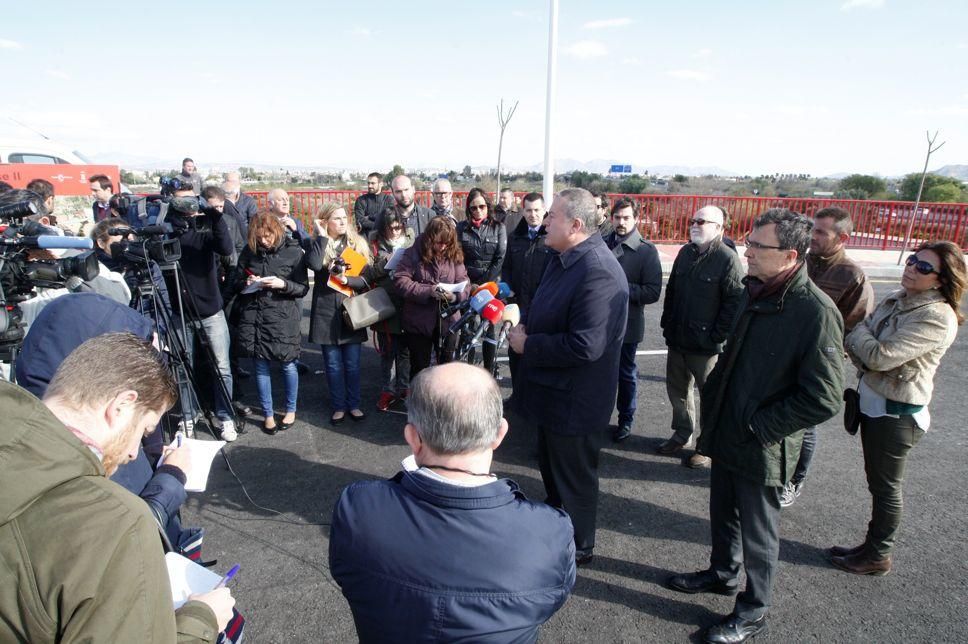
484, 242
384, 242
897, 351
434, 259
340, 343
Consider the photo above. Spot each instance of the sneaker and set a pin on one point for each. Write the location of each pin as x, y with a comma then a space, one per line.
383, 403
187, 427
229, 433
791, 492
697, 460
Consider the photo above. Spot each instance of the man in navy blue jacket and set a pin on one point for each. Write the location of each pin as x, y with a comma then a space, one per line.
445, 550
570, 343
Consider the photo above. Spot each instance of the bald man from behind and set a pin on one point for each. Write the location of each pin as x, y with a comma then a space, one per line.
445, 550
701, 298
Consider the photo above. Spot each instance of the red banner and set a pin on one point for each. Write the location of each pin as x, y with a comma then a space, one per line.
68, 179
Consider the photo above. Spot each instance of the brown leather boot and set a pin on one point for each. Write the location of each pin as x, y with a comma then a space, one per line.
841, 551
863, 563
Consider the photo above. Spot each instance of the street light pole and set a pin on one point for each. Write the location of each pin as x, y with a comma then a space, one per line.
549, 162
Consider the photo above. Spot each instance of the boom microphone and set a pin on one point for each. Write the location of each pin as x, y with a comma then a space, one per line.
477, 303
49, 241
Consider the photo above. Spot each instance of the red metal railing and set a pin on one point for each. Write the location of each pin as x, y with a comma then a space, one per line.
665, 218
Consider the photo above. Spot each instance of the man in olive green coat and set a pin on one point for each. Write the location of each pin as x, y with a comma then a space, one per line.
81, 558
781, 372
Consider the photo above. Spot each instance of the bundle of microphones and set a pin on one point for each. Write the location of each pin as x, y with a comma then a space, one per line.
488, 309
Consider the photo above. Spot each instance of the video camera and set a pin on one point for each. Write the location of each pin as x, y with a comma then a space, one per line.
20, 273
169, 185
151, 245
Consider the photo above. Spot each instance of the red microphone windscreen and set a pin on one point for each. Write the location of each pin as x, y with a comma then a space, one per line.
493, 311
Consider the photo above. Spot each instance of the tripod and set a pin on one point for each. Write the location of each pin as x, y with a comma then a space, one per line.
146, 299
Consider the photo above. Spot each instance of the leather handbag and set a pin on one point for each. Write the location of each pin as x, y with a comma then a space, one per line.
368, 308
851, 410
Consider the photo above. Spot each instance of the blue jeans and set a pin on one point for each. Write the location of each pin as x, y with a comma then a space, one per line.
217, 332
263, 382
343, 375
628, 374
806, 454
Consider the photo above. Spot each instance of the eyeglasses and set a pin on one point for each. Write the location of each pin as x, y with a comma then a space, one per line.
441, 194
397, 227
482, 206
758, 246
701, 222
921, 266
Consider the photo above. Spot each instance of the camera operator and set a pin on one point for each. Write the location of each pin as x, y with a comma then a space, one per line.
38, 223
204, 238
111, 237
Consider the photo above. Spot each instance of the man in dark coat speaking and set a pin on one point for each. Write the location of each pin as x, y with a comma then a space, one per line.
570, 343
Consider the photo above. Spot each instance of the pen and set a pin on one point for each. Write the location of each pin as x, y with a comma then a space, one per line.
228, 577
178, 438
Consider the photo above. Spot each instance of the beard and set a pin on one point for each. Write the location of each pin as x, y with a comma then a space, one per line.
701, 236
115, 451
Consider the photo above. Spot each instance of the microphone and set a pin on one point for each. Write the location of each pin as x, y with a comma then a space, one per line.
490, 287
512, 316
491, 314
504, 291
477, 303
50, 241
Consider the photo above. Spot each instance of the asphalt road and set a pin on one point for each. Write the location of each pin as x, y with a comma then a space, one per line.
653, 521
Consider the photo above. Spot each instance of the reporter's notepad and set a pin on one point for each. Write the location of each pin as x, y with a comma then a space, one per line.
188, 578
202, 454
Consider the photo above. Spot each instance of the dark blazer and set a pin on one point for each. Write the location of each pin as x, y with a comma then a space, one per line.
640, 261
419, 560
247, 206
525, 263
575, 327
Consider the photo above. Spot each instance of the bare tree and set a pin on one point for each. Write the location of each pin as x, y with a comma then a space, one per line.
917, 201
502, 120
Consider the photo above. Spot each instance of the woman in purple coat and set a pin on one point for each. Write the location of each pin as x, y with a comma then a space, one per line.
435, 258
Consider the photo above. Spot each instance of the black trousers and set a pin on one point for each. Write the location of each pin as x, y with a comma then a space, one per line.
569, 470
421, 348
887, 442
744, 518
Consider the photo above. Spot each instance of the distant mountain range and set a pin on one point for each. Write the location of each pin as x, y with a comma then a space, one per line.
959, 172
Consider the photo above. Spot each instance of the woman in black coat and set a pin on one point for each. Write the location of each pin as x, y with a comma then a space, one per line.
271, 280
484, 242
340, 343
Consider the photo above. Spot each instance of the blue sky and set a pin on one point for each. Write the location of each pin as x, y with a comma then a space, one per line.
819, 87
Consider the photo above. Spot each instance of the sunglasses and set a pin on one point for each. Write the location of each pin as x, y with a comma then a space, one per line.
482, 206
701, 222
758, 246
921, 266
